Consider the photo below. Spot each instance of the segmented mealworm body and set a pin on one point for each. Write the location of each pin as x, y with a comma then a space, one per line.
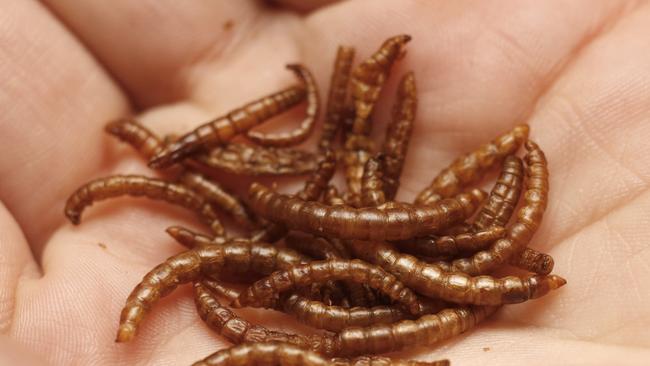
431, 280
148, 144
310, 245
398, 134
362, 223
284, 354
534, 261
504, 196
336, 101
301, 133
528, 219
265, 292
136, 186
222, 129
191, 265
243, 159
452, 245
372, 184
471, 167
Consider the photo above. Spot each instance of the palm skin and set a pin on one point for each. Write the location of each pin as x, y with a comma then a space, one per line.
577, 72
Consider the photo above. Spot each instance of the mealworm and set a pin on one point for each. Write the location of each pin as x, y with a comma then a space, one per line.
528, 219
243, 159
534, 261
148, 144
372, 184
222, 129
362, 223
452, 245
136, 186
398, 134
430, 280
301, 133
504, 196
336, 101
285, 354
265, 291
191, 265
190, 239
471, 167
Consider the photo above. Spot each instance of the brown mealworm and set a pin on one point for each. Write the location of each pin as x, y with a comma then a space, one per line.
432, 281
503, 198
372, 184
136, 186
398, 134
534, 261
301, 133
336, 101
452, 245
264, 292
148, 144
528, 219
244, 159
362, 223
310, 245
191, 265
222, 129
286, 354
471, 167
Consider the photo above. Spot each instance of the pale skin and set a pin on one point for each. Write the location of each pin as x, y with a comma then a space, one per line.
576, 71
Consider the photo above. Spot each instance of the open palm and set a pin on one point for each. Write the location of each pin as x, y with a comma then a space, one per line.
577, 71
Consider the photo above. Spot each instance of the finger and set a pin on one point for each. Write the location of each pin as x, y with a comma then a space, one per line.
55, 98
16, 266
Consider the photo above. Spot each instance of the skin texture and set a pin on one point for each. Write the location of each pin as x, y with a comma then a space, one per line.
576, 71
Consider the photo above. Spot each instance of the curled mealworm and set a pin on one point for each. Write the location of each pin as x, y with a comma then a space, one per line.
398, 134
265, 292
528, 219
503, 198
336, 101
137, 185
362, 223
224, 128
452, 245
285, 354
431, 280
372, 184
471, 167
243, 159
148, 144
301, 133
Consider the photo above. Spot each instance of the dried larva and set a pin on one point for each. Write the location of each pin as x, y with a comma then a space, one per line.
285, 354
432, 281
362, 223
301, 133
503, 198
528, 219
265, 292
372, 184
244, 159
135, 134
136, 186
398, 134
534, 261
471, 167
452, 245
222, 129
336, 101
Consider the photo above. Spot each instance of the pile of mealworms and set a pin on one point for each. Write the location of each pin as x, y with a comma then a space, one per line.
374, 274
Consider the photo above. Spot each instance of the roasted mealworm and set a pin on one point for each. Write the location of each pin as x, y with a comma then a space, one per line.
398, 134
471, 167
452, 245
301, 133
528, 219
222, 129
336, 101
265, 292
285, 354
362, 223
503, 198
148, 144
430, 280
534, 261
372, 184
191, 265
243, 159
312, 246
136, 186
